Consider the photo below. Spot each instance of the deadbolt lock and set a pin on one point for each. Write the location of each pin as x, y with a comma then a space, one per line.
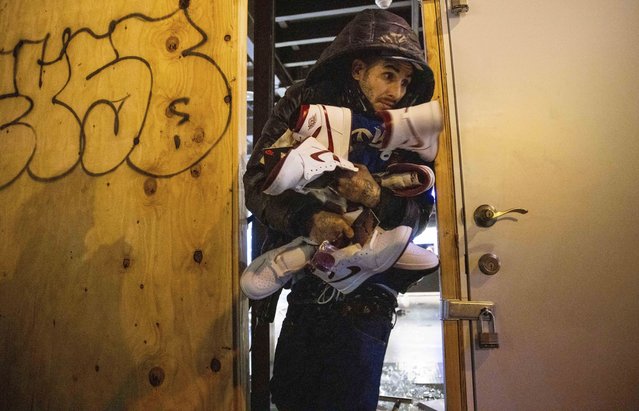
489, 264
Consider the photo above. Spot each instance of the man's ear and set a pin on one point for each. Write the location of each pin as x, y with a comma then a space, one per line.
357, 69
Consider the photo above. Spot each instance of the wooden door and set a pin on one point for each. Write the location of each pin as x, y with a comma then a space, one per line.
119, 125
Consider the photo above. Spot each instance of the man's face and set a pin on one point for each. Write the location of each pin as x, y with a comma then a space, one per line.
383, 82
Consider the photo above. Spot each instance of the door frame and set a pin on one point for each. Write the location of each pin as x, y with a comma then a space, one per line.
456, 334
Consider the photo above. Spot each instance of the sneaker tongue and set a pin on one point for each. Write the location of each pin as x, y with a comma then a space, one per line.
323, 261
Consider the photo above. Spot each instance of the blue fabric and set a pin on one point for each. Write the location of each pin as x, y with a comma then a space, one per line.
365, 129
325, 361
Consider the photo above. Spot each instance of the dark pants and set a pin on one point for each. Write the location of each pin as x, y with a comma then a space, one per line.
330, 356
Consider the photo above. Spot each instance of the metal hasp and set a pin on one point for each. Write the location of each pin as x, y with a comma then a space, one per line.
480, 311
459, 6
486, 215
464, 310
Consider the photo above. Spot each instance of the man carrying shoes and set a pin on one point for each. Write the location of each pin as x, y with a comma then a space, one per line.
330, 352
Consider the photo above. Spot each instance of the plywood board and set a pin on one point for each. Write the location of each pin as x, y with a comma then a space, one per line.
118, 181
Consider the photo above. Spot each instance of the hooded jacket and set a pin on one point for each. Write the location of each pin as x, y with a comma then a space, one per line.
372, 32
375, 32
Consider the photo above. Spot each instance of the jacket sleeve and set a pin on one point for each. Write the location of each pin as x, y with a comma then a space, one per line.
289, 212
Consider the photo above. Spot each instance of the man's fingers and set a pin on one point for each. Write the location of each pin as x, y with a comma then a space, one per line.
348, 232
330, 226
360, 187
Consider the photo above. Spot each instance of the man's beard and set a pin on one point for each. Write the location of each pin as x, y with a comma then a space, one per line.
354, 98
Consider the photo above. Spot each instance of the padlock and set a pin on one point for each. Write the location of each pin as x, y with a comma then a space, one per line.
488, 338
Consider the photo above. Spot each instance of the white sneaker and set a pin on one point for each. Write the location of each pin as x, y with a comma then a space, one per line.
272, 270
382, 251
302, 165
416, 258
330, 125
414, 128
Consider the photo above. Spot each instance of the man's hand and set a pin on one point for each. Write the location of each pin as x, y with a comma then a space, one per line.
329, 226
358, 186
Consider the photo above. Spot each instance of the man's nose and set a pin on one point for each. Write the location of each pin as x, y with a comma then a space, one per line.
395, 90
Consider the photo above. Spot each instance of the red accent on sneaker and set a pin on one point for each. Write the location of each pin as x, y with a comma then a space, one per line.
315, 156
302, 117
328, 129
274, 172
388, 126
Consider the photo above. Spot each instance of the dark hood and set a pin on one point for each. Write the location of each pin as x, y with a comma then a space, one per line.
375, 31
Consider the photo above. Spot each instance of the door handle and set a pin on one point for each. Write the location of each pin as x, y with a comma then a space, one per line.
486, 215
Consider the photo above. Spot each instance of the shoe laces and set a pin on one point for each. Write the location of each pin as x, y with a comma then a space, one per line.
324, 299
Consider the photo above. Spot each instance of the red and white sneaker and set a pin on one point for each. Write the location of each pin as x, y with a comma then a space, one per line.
407, 179
345, 269
302, 165
381, 251
330, 125
271, 271
414, 128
